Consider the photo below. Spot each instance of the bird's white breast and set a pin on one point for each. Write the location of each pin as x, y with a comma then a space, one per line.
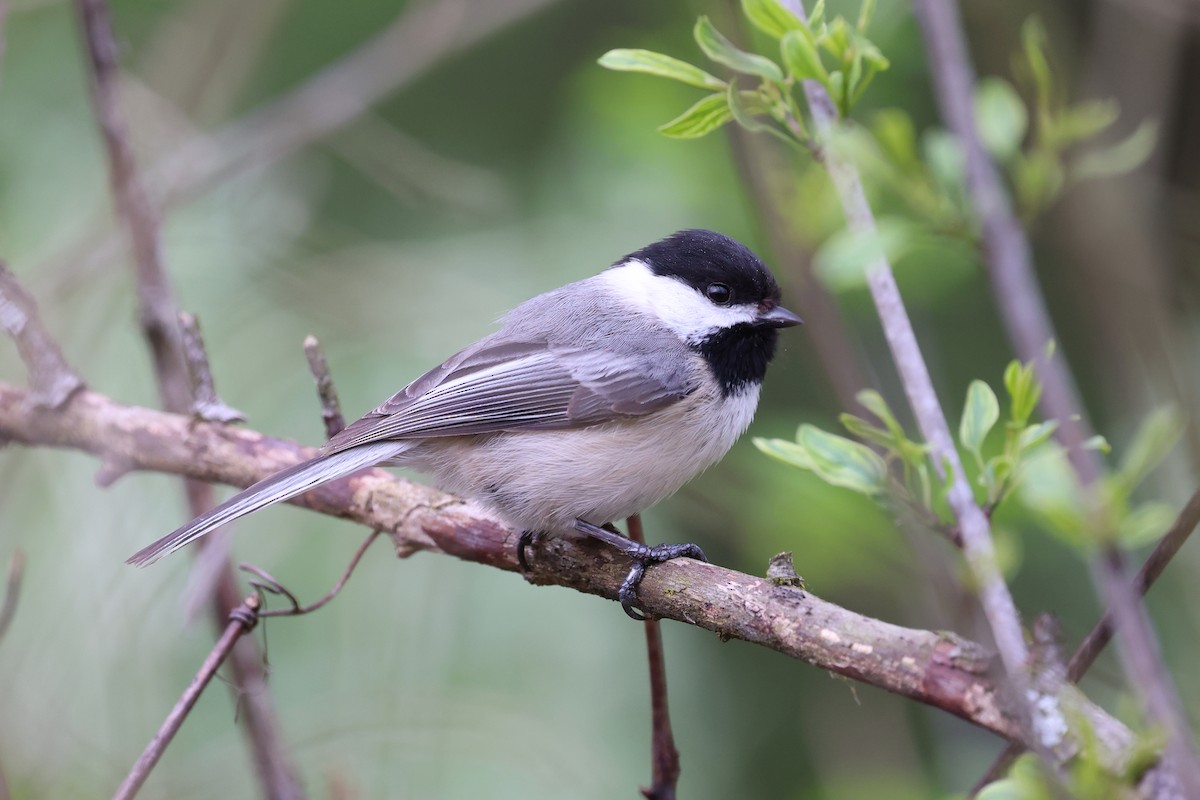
543, 480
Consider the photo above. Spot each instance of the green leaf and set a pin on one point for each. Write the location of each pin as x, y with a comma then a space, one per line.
981, 412
1000, 116
723, 51
843, 462
1038, 177
745, 106
1034, 435
865, 13
1150, 445
816, 17
845, 258
704, 117
1081, 121
785, 451
866, 431
1033, 40
1145, 524
1050, 490
1097, 443
1124, 156
664, 66
801, 58
837, 39
1024, 390
893, 129
945, 158
770, 17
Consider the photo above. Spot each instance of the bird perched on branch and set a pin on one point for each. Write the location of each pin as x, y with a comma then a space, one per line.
591, 403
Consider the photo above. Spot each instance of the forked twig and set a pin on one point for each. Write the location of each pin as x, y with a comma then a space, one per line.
268, 583
241, 620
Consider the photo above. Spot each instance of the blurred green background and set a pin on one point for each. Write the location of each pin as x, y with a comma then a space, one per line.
493, 171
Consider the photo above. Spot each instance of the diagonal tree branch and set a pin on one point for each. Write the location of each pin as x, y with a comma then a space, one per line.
936, 668
1010, 267
53, 380
998, 606
160, 325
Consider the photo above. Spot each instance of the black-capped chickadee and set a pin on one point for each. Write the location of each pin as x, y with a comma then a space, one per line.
591, 403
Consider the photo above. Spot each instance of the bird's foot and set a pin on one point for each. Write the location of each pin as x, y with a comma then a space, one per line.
642, 556
525, 543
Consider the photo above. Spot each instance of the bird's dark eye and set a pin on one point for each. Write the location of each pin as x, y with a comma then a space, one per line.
719, 293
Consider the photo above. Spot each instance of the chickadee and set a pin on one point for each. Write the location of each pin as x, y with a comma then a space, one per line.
591, 403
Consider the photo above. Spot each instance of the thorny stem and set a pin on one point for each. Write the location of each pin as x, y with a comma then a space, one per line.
1010, 267
664, 755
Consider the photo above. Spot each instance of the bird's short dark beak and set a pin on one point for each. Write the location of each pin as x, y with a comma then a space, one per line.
779, 317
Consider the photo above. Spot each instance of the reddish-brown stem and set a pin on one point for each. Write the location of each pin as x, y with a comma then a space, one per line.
241, 620
664, 757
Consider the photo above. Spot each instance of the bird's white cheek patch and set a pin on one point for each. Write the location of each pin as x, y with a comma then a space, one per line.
678, 306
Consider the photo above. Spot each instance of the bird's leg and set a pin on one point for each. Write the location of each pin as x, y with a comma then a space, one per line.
642, 556
525, 541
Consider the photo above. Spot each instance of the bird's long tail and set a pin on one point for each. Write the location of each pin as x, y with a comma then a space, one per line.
281, 486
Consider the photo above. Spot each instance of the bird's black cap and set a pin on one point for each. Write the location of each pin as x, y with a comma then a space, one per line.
698, 258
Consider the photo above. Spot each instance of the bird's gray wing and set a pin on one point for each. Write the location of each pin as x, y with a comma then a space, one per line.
508, 386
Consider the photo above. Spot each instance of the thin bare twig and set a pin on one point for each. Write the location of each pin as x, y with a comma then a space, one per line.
268, 583
160, 325
998, 606
664, 757
1010, 267
12, 590
241, 621
206, 404
50, 376
331, 407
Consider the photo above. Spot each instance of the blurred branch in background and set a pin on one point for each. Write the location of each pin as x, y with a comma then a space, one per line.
938, 669
160, 322
993, 592
50, 376
1015, 289
423, 35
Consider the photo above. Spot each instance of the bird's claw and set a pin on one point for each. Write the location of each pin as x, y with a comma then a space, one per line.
643, 556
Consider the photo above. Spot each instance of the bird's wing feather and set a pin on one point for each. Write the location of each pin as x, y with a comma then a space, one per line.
509, 386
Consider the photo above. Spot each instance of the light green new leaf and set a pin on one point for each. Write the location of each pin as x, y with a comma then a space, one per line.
865, 13
1033, 39
723, 51
893, 129
745, 106
1145, 524
770, 17
1036, 434
1124, 156
785, 451
801, 58
1150, 445
1024, 390
704, 117
1082, 121
843, 261
1000, 116
664, 66
981, 412
843, 462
